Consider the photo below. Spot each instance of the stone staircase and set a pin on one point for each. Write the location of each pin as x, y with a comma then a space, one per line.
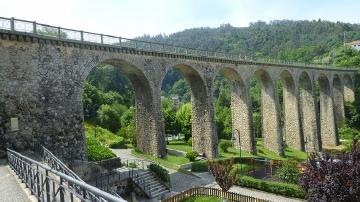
155, 187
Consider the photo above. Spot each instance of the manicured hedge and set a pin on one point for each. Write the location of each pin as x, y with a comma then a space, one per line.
199, 166
192, 155
160, 172
96, 151
291, 190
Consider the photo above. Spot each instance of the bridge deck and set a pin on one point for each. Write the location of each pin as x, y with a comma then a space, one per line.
10, 189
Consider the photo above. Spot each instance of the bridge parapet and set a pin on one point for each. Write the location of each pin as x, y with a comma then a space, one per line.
32, 28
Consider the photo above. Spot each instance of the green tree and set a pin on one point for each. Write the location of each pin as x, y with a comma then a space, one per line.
183, 118
169, 113
109, 116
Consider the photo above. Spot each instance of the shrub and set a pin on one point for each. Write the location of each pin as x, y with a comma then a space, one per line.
225, 145
288, 172
118, 145
327, 180
281, 188
199, 166
348, 133
192, 155
189, 142
160, 172
223, 173
96, 151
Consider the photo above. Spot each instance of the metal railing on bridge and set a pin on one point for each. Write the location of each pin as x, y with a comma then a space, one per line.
48, 184
43, 30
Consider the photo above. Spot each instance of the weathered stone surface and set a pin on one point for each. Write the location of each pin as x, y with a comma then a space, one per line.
329, 134
41, 84
338, 95
308, 111
293, 137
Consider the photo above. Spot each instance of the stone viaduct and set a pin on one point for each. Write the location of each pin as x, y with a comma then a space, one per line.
42, 77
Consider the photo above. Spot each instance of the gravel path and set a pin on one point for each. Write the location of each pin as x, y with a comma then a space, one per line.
10, 189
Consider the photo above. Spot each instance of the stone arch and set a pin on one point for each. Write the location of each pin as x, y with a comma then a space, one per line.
338, 96
349, 95
149, 131
328, 128
204, 137
241, 110
307, 105
270, 112
293, 137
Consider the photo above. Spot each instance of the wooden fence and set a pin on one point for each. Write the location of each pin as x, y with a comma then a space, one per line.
205, 191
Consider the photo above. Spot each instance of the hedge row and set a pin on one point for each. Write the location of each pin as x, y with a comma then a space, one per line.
199, 166
160, 172
291, 190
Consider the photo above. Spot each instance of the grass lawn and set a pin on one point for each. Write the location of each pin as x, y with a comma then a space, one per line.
202, 199
171, 161
179, 145
291, 154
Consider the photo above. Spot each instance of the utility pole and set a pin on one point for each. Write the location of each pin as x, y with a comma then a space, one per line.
344, 38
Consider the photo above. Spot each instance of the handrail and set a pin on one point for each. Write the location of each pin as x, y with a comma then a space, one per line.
57, 164
44, 182
39, 29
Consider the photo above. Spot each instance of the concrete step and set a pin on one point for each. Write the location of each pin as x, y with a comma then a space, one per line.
157, 193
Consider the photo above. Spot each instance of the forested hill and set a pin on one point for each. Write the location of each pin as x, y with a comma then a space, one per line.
286, 39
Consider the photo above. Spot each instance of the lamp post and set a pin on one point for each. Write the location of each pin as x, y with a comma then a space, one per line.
233, 138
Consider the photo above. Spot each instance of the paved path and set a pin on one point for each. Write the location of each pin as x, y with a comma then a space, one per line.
10, 189
125, 153
259, 194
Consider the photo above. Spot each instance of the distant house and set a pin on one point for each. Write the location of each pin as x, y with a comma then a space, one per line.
355, 44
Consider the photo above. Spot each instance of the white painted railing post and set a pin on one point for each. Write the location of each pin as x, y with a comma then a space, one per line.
59, 32
12, 24
34, 27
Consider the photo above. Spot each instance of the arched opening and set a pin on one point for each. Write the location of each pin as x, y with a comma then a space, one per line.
338, 95
269, 113
307, 104
118, 104
289, 112
233, 102
349, 95
202, 129
328, 128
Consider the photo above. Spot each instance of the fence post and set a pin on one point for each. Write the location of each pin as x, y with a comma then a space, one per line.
12, 24
34, 27
59, 32
82, 35
120, 41
62, 199
37, 181
102, 38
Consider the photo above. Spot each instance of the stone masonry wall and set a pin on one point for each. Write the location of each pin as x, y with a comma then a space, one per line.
41, 84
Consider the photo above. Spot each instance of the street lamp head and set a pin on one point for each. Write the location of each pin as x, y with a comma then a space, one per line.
235, 134
233, 138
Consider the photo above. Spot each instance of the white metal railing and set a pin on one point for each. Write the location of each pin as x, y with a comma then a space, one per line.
24, 26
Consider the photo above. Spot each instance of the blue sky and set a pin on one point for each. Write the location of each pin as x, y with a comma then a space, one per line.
131, 18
